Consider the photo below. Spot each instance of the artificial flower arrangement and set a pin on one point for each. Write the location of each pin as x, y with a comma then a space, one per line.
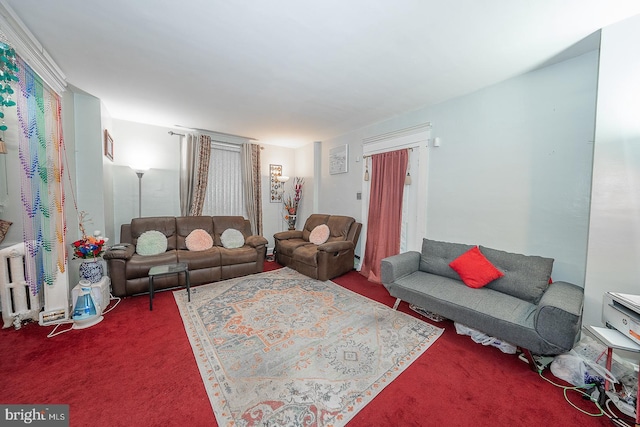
88, 247
291, 203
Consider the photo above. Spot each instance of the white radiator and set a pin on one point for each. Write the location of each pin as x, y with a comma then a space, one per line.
17, 301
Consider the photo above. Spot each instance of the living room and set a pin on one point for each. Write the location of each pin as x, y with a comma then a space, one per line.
542, 163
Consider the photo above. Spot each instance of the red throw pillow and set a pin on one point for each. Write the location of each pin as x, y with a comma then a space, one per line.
475, 269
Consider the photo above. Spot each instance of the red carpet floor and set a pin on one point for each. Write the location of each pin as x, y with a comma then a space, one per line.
136, 368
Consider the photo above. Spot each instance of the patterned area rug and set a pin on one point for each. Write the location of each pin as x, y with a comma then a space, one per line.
281, 349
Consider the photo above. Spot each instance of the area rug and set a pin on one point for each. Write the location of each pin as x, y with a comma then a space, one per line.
281, 349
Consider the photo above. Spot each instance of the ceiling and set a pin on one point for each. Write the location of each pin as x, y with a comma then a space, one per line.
289, 72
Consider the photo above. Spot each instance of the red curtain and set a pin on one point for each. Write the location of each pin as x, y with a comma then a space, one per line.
388, 173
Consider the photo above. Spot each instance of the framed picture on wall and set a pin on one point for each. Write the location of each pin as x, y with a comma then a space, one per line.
108, 145
339, 159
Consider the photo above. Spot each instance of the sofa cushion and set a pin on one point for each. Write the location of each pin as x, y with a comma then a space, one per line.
197, 260
436, 257
151, 242
339, 226
186, 224
475, 269
198, 240
241, 255
320, 234
525, 277
164, 224
312, 222
232, 238
223, 223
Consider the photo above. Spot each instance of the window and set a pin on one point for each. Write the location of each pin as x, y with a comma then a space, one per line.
225, 195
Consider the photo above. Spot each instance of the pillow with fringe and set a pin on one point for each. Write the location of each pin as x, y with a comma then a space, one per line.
151, 242
232, 238
199, 240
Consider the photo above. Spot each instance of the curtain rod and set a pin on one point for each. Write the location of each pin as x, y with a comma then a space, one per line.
364, 156
217, 133
181, 134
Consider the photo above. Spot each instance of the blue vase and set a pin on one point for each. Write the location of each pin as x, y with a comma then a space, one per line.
91, 270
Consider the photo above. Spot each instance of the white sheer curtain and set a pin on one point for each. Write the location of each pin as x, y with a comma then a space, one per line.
225, 193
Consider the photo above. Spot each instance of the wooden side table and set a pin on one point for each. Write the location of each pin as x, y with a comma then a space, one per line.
165, 270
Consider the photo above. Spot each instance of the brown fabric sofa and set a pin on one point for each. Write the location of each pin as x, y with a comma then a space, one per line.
129, 271
323, 262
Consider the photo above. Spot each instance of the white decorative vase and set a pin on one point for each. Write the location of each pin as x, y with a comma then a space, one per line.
91, 270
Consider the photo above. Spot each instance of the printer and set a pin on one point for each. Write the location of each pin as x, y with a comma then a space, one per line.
622, 313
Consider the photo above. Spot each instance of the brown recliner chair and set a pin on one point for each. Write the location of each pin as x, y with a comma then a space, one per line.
323, 262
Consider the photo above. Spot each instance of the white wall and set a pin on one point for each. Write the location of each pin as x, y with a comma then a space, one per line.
514, 168
614, 235
11, 209
272, 213
139, 144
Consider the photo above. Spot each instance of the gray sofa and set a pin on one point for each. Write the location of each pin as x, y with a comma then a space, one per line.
521, 307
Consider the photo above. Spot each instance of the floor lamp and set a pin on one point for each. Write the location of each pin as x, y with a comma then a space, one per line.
140, 172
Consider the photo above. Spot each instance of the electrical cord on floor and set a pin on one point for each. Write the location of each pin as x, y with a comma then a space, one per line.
54, 332
112, 298
582, 391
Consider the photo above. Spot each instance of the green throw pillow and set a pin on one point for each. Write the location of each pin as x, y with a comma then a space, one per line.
151, 242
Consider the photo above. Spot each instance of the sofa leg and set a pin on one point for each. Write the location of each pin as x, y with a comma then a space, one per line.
532, 363
395, 306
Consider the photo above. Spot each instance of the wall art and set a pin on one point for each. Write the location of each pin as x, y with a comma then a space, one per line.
339, 159
277, 187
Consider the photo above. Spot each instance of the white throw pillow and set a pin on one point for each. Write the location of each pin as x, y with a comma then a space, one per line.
151, 242
319, 234
232, 238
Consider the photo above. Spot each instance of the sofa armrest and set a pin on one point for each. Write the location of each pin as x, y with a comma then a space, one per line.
337, 246
125, 253
397, 266
289, 234
255, 241
559, 314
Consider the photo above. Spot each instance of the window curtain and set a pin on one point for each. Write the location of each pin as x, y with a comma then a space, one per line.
41, 152
384, 223
225, 191
252, 183
195, 152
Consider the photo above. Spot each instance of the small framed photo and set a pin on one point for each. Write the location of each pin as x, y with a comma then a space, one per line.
108, 145
339, 159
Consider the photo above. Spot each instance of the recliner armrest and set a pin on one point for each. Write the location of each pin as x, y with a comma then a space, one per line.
397, 266
559, 314
125, 253
337, 246
289, 234
255, 241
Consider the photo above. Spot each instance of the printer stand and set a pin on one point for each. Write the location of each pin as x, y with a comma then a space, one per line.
614, 339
